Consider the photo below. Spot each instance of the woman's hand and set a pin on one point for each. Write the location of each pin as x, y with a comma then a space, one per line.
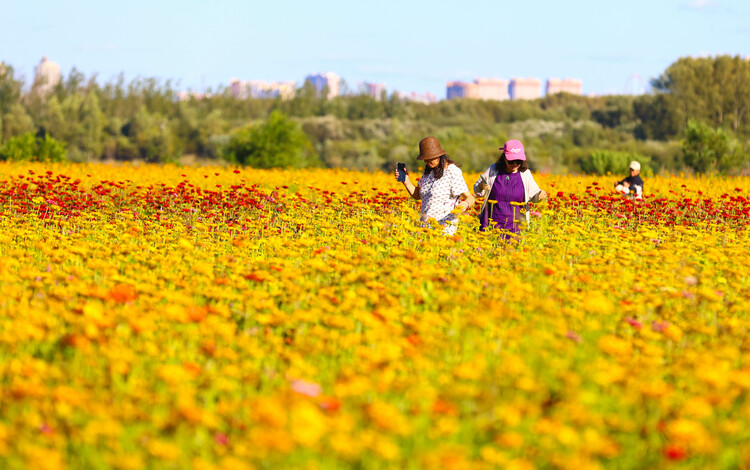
410, 188
395, 172
481, 187
540, 196
468, 201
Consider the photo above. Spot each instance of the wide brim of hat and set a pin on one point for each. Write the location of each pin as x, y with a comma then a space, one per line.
429, 157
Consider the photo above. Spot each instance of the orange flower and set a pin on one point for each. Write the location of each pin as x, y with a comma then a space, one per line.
123, 293
196, 313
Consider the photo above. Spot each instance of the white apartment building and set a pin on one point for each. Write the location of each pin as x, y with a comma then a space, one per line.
327, 79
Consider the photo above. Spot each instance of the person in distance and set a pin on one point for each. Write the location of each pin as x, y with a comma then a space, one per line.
442, 188
633, 184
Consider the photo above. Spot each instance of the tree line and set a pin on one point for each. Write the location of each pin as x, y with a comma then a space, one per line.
695, 119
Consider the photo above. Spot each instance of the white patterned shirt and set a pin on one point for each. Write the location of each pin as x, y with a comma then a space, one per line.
439, 197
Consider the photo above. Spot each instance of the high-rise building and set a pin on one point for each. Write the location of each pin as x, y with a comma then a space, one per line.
456, 89
260, 89
491, 89
573, 86
46, 76
481, 89
322, 80
525, 88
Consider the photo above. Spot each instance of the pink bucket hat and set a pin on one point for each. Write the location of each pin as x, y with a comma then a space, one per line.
513, 150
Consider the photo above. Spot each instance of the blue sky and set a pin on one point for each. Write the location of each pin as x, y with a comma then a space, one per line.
411, 46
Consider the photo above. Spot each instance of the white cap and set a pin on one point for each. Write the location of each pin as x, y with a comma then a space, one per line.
634, 165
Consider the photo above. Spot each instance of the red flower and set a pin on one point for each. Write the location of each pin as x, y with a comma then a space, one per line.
330, 404
634, 323
675, 452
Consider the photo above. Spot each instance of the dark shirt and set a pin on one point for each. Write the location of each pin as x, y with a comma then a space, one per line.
633, 180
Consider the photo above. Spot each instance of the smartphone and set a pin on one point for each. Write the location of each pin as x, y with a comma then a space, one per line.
401, 171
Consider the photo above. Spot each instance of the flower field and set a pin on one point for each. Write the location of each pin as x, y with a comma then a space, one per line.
213, 318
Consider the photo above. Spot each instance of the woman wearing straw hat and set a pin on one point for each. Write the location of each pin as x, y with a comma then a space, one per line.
507, 185
442, 187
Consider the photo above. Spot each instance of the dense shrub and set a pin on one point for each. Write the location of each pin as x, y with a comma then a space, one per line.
276, 142
601, 162
706, 149
32, 148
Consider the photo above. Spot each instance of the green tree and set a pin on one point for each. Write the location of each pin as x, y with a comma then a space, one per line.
10, 89
149, 136
90, 131
276, 142
714, 90
16, 121
617, 112
708, 150
657, 116
197, 132
305, 102
53, 119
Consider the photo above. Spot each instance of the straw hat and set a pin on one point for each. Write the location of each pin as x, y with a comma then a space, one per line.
430, 148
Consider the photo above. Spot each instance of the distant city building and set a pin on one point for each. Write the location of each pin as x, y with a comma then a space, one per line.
46, 76
525, 88
425, 98
491, 89
373, 89
322, 80
480, 89
259, 89
573, 86
456, 90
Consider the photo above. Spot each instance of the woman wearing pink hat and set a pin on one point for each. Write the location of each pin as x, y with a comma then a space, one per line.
442, 187
509, 182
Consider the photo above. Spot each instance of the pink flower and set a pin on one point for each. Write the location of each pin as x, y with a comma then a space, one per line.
634, 323
303, 387
574, 336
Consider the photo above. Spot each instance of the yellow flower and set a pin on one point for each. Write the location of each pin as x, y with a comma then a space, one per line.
308, 423
615, 346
